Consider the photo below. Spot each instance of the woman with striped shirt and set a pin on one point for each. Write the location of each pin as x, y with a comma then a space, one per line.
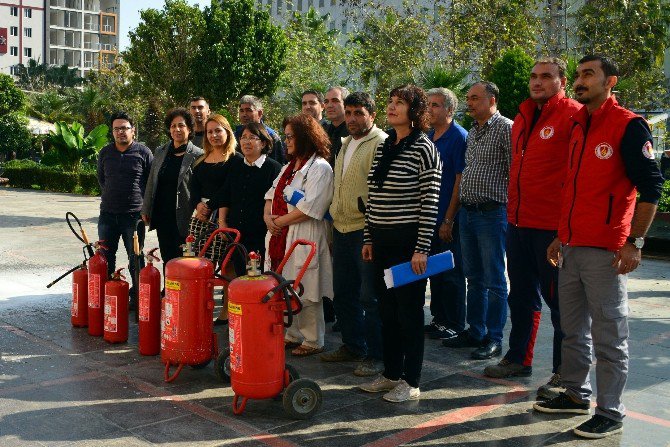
404, 184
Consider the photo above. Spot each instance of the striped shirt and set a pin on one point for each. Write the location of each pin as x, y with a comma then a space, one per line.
487, 161
410, 193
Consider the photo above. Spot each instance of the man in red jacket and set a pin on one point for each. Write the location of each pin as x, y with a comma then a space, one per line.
600, 234
540, 136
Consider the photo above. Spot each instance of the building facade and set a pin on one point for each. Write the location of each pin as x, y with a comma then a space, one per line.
83, 34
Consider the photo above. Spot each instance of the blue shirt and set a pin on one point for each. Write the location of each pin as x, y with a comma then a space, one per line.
451, 147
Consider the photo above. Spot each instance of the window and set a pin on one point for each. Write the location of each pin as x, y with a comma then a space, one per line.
13, 30
28, 32
279, 6
14, 51
299, 5
12, 70
14, 11
27, 13
28, 52
320, 3
333, 2
344, 26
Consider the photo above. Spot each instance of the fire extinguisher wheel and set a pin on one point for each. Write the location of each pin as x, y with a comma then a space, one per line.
222, 366
302, 399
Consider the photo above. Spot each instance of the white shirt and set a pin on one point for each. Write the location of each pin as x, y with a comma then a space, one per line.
258, 162
349, 153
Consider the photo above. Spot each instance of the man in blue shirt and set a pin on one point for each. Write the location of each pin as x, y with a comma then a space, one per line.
251, 111
447, 290
123, 170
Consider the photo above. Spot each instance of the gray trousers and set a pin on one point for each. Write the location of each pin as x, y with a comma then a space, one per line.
593, 304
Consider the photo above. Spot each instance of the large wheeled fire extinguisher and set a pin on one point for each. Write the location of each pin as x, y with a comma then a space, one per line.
187, 328
79, 307
257, 305
97, 277
149, 307
116, 309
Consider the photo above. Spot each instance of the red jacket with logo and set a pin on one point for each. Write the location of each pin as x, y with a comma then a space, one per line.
539, 162
598, 198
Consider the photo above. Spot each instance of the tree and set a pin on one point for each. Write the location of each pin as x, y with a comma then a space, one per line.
15, 135
163, 49
49, 105
438, 75
39, 77
72, 146
510, 73
11, 97
240, 52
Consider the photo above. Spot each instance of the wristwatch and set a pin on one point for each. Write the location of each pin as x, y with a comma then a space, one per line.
638, 242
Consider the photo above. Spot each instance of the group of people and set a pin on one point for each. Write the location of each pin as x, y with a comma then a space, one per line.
549, 197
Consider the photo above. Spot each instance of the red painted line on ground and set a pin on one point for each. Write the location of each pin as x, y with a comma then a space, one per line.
119, 375
47, 383
646, 418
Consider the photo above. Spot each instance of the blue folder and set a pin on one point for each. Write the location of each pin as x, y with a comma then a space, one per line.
402, 274
293, 196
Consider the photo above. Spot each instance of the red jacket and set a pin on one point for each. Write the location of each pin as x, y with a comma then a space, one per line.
599, 199
539, 162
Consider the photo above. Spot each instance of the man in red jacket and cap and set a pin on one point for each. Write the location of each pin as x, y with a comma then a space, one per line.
600, 235
540, 137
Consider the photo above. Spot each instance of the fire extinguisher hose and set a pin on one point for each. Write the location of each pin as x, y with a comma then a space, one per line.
83, 238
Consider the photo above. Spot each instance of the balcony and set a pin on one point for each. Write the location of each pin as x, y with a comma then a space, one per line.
70, 4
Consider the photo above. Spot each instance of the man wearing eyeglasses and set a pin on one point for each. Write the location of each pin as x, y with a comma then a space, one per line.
123, 169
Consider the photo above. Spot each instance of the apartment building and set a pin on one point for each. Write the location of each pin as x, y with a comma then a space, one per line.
84, 34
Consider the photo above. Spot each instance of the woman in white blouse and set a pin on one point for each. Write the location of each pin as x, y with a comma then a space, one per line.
308, 171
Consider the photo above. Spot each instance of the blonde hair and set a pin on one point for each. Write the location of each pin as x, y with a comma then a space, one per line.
228, 147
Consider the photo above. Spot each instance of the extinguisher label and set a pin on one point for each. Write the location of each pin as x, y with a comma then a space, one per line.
94, 290
145, 296
110, 313
235, 338
171, 316
172, 285
234, 308
75, 300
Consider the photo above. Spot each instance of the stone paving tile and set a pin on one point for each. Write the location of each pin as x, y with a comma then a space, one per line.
187, 430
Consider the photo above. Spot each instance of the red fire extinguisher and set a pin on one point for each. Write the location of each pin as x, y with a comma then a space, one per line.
257, 305
79, 309
97, 277
116, 309
149, 307
187, 327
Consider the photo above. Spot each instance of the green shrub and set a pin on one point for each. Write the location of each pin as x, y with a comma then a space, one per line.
50, 158
664, 202
72, 146
28, 174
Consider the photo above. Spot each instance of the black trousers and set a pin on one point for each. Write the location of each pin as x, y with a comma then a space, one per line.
169, 242
400, 308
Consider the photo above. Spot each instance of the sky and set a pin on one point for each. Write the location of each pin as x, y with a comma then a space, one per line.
130, 15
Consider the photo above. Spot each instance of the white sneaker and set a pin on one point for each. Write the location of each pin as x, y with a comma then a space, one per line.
402, 392
380, 384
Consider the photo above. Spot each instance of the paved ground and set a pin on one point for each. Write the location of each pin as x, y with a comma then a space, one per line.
58, 386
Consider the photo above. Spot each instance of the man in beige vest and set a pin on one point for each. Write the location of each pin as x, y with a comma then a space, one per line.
355, 301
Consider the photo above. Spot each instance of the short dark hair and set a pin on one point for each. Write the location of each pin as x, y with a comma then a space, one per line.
261, 132
610, 68
560, 63
361, 99
198, 98
418, 104
188, 119
120, 115
491, 89
310, 138
316, 93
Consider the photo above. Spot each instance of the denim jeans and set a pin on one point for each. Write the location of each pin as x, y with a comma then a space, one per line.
111, 226
483, 247
355, 300
447, 289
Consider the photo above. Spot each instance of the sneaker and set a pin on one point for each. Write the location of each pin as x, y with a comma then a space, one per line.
562, 404
462, 340
599, 426
341, 354
430, 328
442, 333
402, 392
506, 368
378, 385
552, 388
369, 367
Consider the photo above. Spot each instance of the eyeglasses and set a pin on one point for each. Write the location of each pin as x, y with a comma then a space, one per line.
289, 137
250, 139
121, 129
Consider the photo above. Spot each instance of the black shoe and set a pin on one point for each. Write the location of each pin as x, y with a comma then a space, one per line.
220, 322
561, 404
506, 368
442, 333
487, 351
599, 426
336, 326
462, 340
430, 328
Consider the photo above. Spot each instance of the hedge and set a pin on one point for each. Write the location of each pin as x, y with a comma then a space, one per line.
31, 175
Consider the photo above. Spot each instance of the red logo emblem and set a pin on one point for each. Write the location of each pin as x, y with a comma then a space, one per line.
604, 151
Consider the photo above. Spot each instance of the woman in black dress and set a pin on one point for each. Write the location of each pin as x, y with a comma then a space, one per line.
243, 200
